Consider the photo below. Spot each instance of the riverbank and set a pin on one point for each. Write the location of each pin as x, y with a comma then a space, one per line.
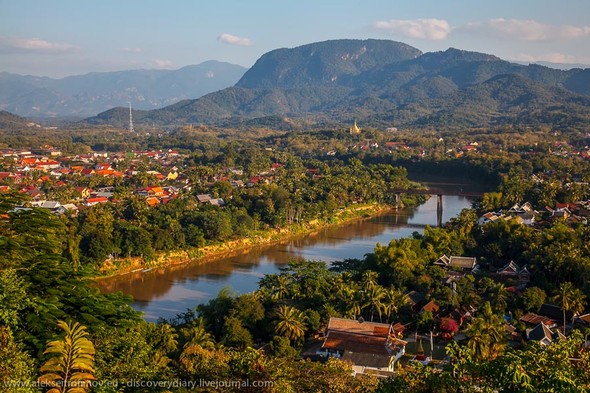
118, 267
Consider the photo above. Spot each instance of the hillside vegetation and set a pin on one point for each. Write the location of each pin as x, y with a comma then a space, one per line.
385, 83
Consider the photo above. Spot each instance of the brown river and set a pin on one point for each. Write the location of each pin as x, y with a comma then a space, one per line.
165, 292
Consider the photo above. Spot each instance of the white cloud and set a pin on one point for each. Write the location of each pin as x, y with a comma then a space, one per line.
33, 45
160, 63
425, 29
527, 30
234, 40
132, 50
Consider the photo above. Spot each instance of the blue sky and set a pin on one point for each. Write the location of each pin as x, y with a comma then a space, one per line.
67, 37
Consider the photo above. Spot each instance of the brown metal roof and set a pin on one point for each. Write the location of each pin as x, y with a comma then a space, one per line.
353, 326
535, 319
463, 262
355, 343
367, 359
431, 306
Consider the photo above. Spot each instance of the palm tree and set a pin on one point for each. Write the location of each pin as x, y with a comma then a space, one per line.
569, 298
353, 302
499, 297
372, 299
278, 285
486, 335
369, 280
196, 334
344, 294
289, 323
478, 340
70, 367
392, 301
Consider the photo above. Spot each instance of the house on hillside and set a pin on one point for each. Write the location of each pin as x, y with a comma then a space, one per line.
431, 306
512, 270
217, 202
543, 334
458, 263
489, 217
95, 201
554, 312
50, 205
371, 348
204, 198
531, 319
415, 300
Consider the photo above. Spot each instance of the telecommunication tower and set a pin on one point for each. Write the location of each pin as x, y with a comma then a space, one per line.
131, 130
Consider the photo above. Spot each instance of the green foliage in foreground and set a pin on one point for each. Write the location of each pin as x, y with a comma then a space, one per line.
559, 367
40, 283
70, 366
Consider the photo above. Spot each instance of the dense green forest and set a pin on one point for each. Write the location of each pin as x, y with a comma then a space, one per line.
216, 340
56, 328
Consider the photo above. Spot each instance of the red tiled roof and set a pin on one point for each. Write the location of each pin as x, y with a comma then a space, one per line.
97, 200
153, 201
47, 163
104, 172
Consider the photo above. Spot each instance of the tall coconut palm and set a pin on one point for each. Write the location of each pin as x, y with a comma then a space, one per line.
277, 286
373, 300
197, 334
499, 297
344, 294
281, 288
70, 367
369, 280
486, 335
392, 301
356, 305
569, 298
289, 323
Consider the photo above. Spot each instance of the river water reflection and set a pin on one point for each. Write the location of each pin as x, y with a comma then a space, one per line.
168, 291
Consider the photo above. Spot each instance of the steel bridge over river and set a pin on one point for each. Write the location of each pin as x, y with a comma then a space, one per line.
439, 192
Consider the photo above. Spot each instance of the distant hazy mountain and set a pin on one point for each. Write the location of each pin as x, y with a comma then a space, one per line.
87, 95
559, 66
11, 121
382, 82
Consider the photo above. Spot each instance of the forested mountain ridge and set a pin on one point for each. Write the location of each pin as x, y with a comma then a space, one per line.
323, 63
92, 93
9, 120
384, 83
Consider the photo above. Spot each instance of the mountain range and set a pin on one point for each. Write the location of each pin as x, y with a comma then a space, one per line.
86, 95
382, 83
11, 121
